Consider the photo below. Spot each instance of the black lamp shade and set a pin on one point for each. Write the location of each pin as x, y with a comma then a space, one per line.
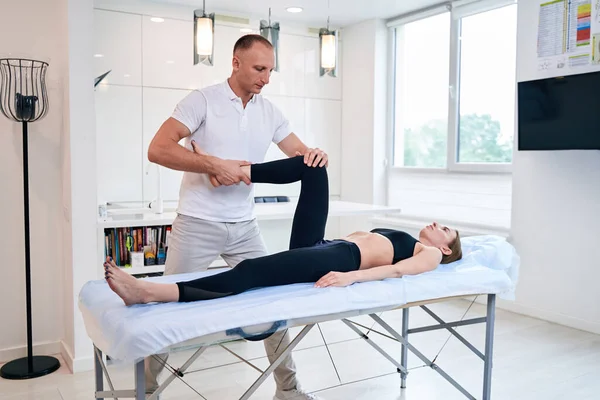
23, 93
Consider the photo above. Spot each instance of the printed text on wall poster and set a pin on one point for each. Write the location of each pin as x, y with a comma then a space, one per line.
596, 48
568, 34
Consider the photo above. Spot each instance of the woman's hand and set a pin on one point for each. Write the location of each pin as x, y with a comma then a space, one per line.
336, 279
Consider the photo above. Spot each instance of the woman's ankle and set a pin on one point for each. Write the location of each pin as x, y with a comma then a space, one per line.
146, 292
247, 169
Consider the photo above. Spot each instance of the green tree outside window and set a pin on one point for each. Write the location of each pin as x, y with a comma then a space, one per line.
479, 142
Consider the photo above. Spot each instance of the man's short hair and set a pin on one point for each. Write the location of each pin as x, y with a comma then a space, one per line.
246, 42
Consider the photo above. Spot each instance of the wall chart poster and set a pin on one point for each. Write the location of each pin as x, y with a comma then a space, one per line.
568, 34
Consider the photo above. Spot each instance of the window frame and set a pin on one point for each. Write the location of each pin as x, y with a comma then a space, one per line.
456, 14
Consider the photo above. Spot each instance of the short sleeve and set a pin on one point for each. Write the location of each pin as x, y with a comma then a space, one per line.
282, 125
191, 110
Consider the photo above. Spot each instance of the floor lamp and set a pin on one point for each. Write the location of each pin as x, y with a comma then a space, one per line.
24, 99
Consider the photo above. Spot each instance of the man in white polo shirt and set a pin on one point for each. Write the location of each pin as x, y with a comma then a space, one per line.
233, 125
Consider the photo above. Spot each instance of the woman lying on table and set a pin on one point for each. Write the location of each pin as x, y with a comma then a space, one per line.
358, 257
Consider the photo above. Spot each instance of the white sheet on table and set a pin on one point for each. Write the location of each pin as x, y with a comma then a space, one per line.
489, 265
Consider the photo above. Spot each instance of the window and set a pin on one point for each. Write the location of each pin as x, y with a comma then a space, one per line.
421, 106
455, 80
487, 86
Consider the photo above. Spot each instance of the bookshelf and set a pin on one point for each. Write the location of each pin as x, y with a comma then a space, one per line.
147, 222
149, 269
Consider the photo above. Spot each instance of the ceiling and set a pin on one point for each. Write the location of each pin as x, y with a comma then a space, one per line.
341, 12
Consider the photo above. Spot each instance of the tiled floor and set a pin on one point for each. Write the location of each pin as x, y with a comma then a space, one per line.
533, 359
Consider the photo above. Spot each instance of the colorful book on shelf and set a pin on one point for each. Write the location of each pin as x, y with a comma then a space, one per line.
119, 243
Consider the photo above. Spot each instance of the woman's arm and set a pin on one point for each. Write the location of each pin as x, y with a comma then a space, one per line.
426, 260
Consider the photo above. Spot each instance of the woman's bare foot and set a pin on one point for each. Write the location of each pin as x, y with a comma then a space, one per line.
130, 289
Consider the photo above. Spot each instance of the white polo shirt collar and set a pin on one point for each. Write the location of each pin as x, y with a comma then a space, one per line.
231, 94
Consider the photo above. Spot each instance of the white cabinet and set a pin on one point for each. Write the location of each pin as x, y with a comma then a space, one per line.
168, 57
324, 130
159, 104
289, 80
119, 142
118, 47
320, 87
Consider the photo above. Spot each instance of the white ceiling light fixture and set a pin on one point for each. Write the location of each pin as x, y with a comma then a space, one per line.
294, 9
157, 19
204, 34
328, 43
271, 32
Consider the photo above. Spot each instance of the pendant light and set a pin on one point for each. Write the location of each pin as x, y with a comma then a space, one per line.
271, 33
328, 54
204, 36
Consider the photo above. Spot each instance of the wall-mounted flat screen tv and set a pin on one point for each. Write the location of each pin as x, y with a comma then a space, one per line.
560, 113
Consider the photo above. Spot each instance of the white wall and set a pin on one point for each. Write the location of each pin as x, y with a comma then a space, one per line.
472, 198
364, 122
80, 207
44, 39
157, 57
555, 217
62, 184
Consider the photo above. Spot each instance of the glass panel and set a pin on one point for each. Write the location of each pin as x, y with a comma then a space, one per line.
421, 98
487, 86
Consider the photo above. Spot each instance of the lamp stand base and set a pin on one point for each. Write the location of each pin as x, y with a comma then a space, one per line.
19, 368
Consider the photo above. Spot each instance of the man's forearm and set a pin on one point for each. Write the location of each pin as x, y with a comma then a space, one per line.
177, 157
300, 148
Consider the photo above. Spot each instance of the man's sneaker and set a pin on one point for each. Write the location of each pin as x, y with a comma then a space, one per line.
294, 394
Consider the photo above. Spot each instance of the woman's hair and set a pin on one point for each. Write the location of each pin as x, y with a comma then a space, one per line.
456, 251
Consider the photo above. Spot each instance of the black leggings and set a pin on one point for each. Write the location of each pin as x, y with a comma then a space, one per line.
309, 257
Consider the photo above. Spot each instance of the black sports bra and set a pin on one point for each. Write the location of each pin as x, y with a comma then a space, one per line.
404, 244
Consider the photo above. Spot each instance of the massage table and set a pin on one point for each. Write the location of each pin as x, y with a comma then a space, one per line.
489, 267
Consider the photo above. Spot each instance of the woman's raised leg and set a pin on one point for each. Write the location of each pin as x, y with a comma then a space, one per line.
310, 217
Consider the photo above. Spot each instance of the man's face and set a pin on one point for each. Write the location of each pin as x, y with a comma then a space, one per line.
253, 67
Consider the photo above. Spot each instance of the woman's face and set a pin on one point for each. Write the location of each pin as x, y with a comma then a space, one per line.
438, 235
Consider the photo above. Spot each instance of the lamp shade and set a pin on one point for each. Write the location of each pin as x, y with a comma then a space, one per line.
204, 35
270, 31
328, 52
23, 93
